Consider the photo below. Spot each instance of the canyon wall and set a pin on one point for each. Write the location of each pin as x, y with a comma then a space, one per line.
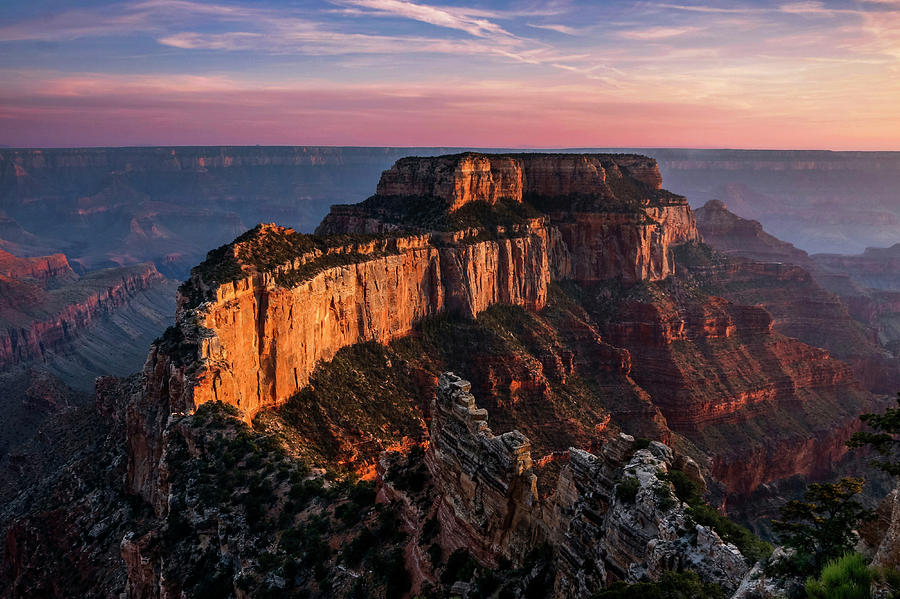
714, 369
631, 247
279, 333
819, 305
51, 320
255, 324
42, 269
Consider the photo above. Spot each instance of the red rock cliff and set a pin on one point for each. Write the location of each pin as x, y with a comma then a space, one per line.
258, 335
37, 321
471, 177
259, 338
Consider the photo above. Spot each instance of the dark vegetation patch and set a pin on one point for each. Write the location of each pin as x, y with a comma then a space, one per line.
671, 585
695, 254
264, 248
174, 344
627, 490
268, 522
433, 214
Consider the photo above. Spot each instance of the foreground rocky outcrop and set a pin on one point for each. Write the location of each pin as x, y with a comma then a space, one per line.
489, 505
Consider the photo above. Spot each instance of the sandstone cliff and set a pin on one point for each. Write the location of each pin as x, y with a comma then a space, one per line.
260, 314
610, 217
465, 178
369, 291
41, 269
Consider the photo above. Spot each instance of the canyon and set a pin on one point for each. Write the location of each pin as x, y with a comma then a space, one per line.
257, 339
169, 205
571, 295
809, 297
56, 330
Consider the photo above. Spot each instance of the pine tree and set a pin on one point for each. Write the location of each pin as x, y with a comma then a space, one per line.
820, 528
885, 440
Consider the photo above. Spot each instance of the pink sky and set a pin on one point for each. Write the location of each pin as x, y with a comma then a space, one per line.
397, 73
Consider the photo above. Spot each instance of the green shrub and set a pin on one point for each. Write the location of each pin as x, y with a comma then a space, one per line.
671, 585
642, 443
822, 525
663, 494
847, 577
686, 489
627, 490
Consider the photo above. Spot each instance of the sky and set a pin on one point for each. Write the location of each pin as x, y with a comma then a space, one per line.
533, 74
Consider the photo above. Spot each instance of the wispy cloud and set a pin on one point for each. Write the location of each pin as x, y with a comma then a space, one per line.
439, 16
565, 29
657, 33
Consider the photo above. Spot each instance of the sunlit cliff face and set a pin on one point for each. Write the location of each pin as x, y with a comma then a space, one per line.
394, 72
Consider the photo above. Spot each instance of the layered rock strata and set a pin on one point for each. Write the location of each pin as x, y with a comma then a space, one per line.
489, 505
38, 321
255, 343
278, 332
609, 215
789, 284
470, 177
491, 489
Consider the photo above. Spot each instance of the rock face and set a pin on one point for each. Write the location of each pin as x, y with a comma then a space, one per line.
732, 234
641, 538
491, 492
257, 325
626, 246
887, 551
610, 218
470, 177
712, 368
41, 269
720, 375
38, 320
489, 505
807, 301
169, 205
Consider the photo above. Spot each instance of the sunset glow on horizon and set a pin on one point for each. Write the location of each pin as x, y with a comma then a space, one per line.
557, 73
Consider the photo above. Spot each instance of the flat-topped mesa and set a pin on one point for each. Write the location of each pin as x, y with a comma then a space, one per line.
258, 315
609, 216
463, 178
41, 269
